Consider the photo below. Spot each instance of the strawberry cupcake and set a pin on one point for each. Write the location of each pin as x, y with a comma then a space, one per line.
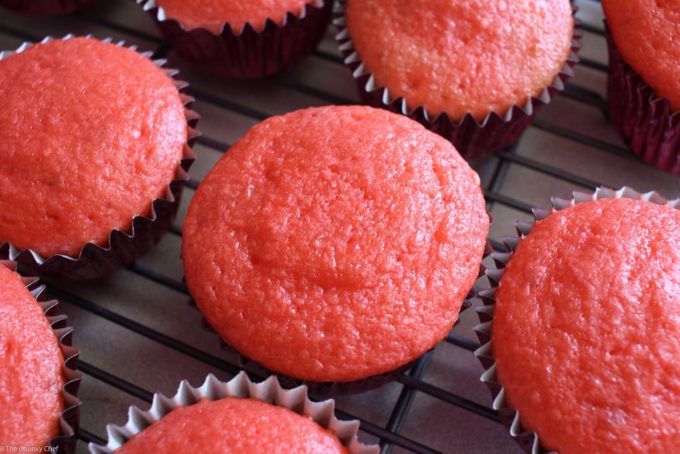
583, 320
474, 71
335, 244
38, 406
236, 416
643, 87
241, 40
45, 7
95, 147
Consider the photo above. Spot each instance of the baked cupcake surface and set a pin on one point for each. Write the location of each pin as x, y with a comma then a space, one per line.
31, 376
234, 425
586, 328
462, 56
646, 33
335, 243
91, 134
214, 14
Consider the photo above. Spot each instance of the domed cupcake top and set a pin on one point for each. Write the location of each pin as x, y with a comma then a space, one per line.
234, 425
586, 328
31, 376
91, 134
647, 33
462, 56
214, 14
335, 243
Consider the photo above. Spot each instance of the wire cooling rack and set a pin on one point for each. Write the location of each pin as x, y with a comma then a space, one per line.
138, 335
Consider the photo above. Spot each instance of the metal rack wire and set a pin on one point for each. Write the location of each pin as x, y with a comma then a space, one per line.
121, 18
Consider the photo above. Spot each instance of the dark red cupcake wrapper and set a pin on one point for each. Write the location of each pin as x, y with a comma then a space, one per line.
529, 441
65, 442
317, 389
644, 120
249, 53
472, 138
123, 247
45, 7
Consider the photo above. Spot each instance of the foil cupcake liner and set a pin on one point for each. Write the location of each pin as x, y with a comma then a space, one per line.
645, 121
45, 7
65, 442
123, 247
471, 137
270, 391
317, 389
529, 441
248, 53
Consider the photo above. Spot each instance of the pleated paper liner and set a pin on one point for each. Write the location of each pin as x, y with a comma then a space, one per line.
529, 441
645, 121
45, 7
270, 391
123, 247
65, 442
317, 389
471, 137
246, 53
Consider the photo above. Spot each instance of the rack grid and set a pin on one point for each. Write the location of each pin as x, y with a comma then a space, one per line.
138, 334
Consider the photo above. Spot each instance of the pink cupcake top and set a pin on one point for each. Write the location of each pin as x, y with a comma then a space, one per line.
31, 376
335, 243
91, 134
647, 33
462, 56
586, 328
233, 425
214, 14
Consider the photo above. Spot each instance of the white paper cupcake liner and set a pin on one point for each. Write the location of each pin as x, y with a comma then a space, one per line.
529, 441
270, 391
65, 442
123, 247
472, 138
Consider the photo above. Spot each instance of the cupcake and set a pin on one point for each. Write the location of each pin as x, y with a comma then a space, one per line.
94, 139
38, 407
474, 71
585, 326
238, 39
335, 244
236, 416
45, 7
643, 87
